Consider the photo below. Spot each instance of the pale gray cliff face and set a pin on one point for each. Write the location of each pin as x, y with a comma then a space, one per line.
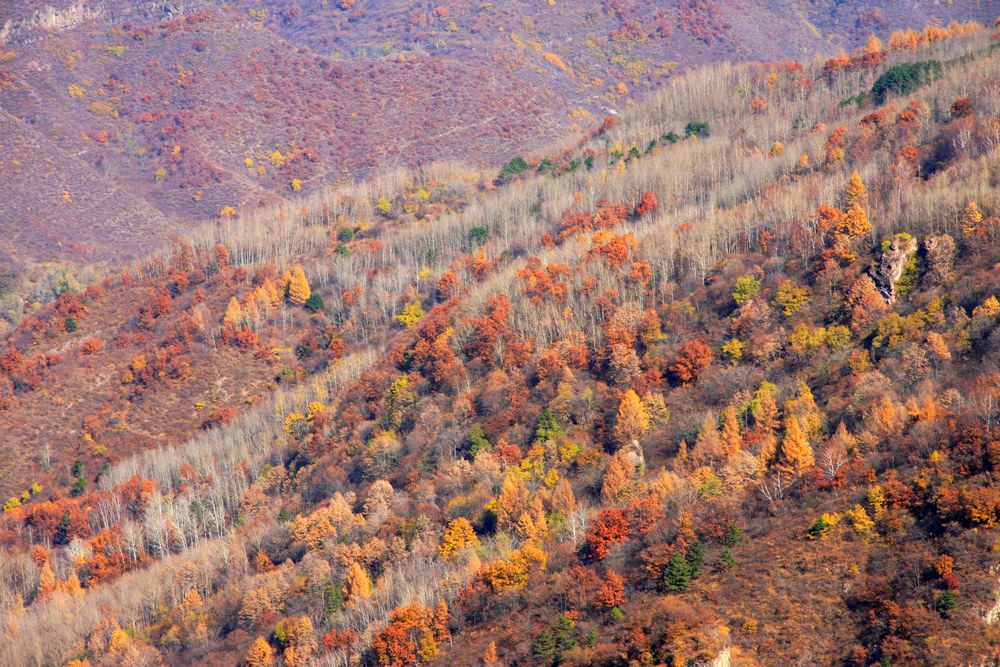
723, 659
892, 264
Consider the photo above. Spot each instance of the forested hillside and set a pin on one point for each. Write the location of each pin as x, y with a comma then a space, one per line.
715, 382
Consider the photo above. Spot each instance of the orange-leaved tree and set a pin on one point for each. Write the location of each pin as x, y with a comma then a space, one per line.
612, 593
691, 359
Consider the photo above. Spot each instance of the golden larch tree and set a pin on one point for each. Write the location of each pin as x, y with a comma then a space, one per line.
632, 420
616, 478
301, 641
796, 455
708, 447
732, 440
46, 581
458, 536
441, 630
764, 407
297, 286
682, 462
972, 220
260, 654
234, 314
563, 498
803, 407
262, 562
855, 224
358, 585
72, 586
855, 192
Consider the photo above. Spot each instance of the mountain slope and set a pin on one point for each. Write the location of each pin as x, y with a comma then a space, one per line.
719, 380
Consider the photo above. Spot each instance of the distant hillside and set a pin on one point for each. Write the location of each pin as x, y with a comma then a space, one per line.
124, 122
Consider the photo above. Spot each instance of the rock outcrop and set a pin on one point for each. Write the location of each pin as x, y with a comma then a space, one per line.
892, 265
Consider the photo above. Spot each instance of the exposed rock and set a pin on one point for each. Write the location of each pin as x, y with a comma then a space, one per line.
723, 659
633, 452
992, 614
893, 263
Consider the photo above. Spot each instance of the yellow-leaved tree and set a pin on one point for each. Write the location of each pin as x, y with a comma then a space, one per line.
234, 314
732, 440
617, 477
458, 536
855, 192
357, 585
296, 286
796, 455
632, 420
972, 220
260, 654
855, 224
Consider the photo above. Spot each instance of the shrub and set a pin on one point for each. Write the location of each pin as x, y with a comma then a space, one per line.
314, 303
694, 129
478, 236
512, 169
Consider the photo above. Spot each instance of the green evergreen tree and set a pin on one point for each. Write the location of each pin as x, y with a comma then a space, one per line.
314, 303
79, 486
333, 598
563, 633
62, 530
697, 129
947, 602
545, 645
727, 560
477, 440
513, 168
478, 236
677, 576
548, 428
